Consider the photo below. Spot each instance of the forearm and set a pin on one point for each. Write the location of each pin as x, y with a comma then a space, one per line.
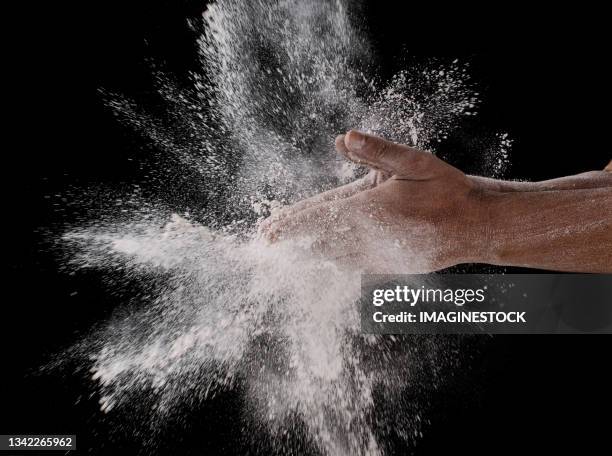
592, 179
564, 230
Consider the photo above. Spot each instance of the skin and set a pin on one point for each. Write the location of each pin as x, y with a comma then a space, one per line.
415, 213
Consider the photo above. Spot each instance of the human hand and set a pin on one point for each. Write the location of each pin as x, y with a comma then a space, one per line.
413, 213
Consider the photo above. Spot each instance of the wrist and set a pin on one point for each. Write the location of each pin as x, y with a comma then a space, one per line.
492, 219
505, 220
482, 244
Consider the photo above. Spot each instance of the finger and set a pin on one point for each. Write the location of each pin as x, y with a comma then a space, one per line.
311, 221
379, 177
344, 191
328, 229
385, 155
374, 178
609, 167
339, 232
341, 147
365, 183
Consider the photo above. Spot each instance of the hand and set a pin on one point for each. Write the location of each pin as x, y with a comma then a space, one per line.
413, 213
416, 213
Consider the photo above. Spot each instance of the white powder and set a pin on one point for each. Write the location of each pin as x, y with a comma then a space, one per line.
257, 130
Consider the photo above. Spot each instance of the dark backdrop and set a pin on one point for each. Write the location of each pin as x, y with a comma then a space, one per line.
544, 74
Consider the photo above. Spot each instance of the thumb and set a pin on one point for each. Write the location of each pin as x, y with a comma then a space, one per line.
388, 156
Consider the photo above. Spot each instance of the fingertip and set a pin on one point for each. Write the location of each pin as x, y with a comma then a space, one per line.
341, 147
340, 142
354, 140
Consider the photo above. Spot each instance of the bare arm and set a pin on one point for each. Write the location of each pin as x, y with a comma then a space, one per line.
591, 179
422, 215
563, 230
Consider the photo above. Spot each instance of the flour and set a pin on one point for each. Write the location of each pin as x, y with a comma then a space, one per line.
278, 82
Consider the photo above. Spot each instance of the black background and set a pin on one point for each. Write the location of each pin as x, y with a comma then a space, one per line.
545, 78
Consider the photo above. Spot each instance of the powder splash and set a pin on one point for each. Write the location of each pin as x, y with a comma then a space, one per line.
226, 311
